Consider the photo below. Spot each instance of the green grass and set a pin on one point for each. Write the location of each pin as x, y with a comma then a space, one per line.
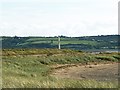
23, 68
54, 41
41, 39
68, 42
75, 42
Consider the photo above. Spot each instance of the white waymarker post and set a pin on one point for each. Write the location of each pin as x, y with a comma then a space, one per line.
59, 42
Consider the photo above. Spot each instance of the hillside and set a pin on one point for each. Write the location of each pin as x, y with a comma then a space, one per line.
103, 42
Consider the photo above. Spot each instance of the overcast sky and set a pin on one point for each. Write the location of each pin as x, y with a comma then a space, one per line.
58, 17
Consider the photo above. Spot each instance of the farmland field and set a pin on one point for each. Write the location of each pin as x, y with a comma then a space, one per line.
108, 42
51, 68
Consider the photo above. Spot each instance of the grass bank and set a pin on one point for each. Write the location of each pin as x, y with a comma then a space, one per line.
30, 68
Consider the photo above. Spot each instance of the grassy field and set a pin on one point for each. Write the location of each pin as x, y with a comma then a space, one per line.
31, 68
108, 42
65, 42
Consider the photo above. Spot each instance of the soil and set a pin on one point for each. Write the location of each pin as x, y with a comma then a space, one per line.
99, 72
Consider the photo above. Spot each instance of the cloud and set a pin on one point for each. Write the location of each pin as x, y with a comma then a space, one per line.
58, 17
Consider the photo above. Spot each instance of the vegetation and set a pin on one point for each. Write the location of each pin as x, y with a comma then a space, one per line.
77, 43
31, 68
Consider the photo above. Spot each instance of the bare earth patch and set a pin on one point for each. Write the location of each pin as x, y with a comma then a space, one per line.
99, 72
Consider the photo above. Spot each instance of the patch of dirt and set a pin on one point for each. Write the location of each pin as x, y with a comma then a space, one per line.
100, 72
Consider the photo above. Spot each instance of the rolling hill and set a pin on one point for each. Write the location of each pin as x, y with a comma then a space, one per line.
103, 42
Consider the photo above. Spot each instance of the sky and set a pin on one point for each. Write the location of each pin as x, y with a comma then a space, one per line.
58, 17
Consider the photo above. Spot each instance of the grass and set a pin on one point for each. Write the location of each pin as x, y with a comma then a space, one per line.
67, 42
16, 52
54, 41
30, 68
50, 82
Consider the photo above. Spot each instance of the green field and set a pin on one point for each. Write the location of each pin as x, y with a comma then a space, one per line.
31, 68
107, 42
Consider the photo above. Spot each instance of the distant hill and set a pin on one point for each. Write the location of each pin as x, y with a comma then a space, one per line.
78, 43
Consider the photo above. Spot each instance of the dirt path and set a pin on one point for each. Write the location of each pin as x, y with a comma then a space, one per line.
100, 72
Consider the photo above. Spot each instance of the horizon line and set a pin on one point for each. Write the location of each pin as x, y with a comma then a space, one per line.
54, 36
